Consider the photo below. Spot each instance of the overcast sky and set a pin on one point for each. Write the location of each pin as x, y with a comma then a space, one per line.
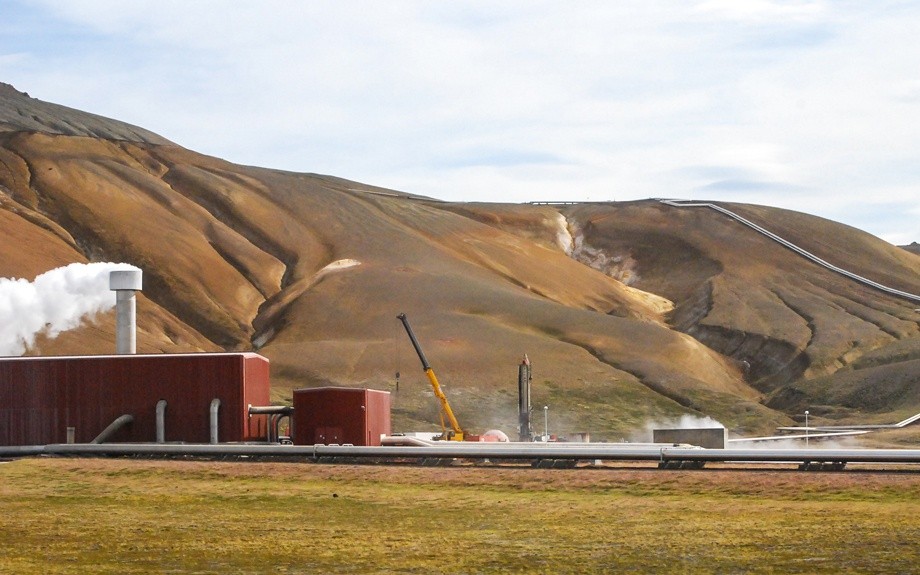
811, 106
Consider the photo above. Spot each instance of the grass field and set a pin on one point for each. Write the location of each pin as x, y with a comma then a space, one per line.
139, 516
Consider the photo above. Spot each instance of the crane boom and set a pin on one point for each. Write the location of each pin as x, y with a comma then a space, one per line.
456, 432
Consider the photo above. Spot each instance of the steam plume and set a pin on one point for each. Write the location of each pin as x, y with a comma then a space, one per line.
686, 421
621, 267
56, 301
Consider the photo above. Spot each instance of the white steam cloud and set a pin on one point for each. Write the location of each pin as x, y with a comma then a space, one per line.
621, 267
56, 301
686, 421
818, 442
564, 238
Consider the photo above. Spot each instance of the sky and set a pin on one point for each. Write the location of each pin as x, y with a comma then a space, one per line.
812, 106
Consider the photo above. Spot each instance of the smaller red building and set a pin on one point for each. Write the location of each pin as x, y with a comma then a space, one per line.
340, 415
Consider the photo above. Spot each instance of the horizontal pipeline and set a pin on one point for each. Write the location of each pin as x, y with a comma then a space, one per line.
483, 451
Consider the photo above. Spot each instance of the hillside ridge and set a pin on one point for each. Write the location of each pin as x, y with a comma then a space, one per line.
630, 311
21, 112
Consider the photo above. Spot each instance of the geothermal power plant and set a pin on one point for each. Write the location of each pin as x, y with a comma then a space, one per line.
218, 405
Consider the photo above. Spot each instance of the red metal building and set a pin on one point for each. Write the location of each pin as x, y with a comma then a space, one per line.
41, 397
340, 415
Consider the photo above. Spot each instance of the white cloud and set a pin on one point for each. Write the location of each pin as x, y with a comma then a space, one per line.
805, 105
760, 10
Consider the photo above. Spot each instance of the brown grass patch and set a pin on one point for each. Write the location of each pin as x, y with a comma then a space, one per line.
129, 516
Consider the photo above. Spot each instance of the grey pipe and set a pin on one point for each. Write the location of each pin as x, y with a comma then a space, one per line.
125, 322
215, 407
21, 450
497, 451
278, 426
275, 424
275, 413
120, 421
161, 421
274, 427
790, 245
269, 432
819, 428
483, 451
270, 409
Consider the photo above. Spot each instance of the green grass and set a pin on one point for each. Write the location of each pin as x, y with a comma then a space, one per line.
127, 516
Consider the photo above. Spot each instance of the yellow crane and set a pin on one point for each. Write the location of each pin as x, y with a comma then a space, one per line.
456, 432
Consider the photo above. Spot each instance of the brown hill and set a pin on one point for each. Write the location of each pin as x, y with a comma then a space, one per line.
629, 311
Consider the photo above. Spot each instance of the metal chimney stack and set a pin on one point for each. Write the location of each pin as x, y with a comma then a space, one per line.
125, 284
524, 407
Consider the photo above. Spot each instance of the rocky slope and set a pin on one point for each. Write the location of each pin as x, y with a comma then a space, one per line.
630, 312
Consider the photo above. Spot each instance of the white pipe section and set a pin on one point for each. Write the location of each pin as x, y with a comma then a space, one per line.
869, 427
404, 440
161, 421
125, 284
215, 407
125, 321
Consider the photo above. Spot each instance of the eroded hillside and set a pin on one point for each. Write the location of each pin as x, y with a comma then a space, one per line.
629, 312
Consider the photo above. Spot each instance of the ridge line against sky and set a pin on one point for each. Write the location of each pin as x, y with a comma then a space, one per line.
807, 105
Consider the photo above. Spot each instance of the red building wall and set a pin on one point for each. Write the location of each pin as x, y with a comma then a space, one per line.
40, 397
327, 415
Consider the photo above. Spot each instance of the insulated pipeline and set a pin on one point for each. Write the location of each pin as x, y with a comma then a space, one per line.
498, 452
